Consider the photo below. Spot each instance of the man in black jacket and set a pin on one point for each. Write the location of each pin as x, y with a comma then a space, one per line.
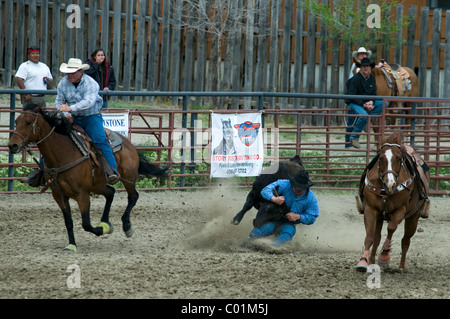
362, 83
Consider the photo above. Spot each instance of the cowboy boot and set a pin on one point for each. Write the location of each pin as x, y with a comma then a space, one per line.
112, 176
35, 179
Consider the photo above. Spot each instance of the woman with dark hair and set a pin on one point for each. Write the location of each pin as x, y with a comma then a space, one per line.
102, 72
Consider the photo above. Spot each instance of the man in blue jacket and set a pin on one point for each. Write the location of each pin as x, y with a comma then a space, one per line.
303, 204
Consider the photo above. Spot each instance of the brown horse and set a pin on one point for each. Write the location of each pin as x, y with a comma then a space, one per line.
74, 175
392, 190
383, 89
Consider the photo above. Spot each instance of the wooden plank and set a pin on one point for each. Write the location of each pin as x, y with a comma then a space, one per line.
249, 34
20, 35
140, 48
410, 38
153, 47
286, 52
117, 41
105, 35
9, 43
93, 27
175, 54
311, 53
56, 39
298, 54
423, 52
68, 36
80, 33
446, 71
33, 30
273, 63
398, 50
128, 47
165, 48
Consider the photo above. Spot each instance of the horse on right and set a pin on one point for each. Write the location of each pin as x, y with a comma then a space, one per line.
393, 189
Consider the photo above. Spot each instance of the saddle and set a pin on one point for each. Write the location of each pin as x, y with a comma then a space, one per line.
397, 78
87, 146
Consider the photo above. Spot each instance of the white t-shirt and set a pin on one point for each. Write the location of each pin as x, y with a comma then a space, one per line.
33, 75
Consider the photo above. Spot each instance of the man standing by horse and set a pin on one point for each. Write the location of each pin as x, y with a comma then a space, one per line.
301, 201
363, 83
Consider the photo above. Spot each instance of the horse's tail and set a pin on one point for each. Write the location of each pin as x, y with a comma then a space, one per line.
150, 170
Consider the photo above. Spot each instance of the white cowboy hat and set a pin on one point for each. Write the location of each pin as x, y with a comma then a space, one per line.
73, 66
362, 50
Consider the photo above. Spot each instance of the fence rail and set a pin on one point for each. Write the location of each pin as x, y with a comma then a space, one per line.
182, 137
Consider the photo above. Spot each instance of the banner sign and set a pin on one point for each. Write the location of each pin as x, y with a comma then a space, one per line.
117, 122
237, 145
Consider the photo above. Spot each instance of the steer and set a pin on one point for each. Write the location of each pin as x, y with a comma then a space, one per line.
268, 211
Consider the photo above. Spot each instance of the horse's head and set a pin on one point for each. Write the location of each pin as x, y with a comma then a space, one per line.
29, 128
390, 162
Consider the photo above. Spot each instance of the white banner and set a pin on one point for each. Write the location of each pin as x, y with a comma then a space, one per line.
237, 145
117, 122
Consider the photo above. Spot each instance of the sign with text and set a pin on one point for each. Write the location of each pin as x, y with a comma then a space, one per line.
237, 145
117, 122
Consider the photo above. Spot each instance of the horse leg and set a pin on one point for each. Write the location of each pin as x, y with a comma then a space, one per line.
370, 225
384, 257
126, 224
410, 230
109, 195
63, 203
84, 204
247, 206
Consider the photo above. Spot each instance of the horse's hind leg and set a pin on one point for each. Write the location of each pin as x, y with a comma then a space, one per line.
109, 195
132, 199
410, 230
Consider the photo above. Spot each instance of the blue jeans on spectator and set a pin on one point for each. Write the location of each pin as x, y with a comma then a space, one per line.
93, 125
355, 125
285, 232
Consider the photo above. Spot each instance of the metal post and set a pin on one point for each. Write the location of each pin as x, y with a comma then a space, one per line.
12, 118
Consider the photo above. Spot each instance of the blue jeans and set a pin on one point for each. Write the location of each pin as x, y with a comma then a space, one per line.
355, 125
93, 125
285, 232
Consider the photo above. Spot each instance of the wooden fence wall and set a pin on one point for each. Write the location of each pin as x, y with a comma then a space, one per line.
150, 52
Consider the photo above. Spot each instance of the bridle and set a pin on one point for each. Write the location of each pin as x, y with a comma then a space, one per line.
32, 129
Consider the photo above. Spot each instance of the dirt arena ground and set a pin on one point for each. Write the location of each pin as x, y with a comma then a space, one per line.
185, 247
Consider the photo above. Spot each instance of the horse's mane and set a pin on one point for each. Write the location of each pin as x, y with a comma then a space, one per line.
55, 118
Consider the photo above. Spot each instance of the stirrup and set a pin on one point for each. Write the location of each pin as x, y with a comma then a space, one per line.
113, 178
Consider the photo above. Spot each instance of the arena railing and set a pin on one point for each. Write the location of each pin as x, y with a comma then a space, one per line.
174, 136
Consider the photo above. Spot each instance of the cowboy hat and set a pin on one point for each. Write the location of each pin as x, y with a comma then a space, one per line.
362, 50
365, 61
73, 66
301, 180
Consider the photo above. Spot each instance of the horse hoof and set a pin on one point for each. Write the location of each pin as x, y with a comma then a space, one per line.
107, 228
70, 248
383, 260
235, 222
129, 232
362, 265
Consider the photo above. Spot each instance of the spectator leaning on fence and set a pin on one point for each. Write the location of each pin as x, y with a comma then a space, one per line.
33, 75
102, 72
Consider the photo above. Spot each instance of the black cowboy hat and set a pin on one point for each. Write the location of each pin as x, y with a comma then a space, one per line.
301, 180
366, 61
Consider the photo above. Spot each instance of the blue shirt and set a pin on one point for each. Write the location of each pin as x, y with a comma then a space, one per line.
306, 205
83, 99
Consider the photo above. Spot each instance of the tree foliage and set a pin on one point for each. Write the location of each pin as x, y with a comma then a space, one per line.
359, 23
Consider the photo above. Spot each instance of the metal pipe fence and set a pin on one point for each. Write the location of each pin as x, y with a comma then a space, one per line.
181, 137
